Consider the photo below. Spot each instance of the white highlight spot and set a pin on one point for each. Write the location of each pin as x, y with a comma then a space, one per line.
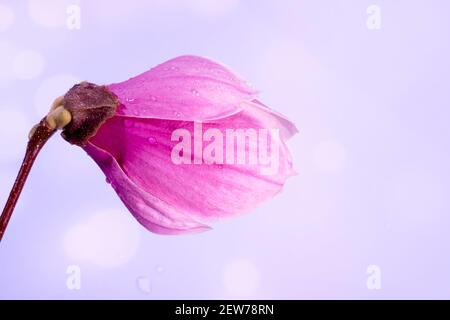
7, 17
329, 156
27, 65
241, 278
108, 239
13, 134
50, 89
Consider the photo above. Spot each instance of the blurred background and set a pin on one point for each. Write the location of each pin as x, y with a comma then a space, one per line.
367, 84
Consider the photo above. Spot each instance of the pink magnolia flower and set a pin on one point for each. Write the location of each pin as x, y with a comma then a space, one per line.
131, 130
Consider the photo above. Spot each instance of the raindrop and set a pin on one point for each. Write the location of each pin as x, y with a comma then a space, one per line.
195, 92
129, 100
177, 114
152, 141
153, 98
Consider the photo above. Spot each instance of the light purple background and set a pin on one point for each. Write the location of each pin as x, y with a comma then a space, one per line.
373, 156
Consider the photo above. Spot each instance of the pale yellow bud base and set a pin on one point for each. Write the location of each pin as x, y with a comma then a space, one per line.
57, 118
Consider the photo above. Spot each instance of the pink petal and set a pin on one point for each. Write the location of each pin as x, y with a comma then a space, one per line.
140, 149
274, 119
184, 88
153, 213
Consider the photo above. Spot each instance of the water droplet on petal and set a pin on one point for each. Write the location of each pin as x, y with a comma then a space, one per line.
153, 98
152, 141
130, 99
177, 114
107, 180
195, 92
174, 68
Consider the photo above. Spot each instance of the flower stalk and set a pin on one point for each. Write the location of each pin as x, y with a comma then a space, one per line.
38, 137
57, 118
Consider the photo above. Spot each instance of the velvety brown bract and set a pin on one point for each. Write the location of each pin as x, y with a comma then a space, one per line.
90, 105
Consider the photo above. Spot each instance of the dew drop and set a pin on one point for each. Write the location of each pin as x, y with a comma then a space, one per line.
195, 92
153, 98
152, 141
177, 114
130, 99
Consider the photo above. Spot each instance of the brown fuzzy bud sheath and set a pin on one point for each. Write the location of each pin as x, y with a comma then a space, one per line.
90, 106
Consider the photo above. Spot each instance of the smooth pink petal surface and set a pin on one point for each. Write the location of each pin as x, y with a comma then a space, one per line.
141, 150
184, 88
153, 213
